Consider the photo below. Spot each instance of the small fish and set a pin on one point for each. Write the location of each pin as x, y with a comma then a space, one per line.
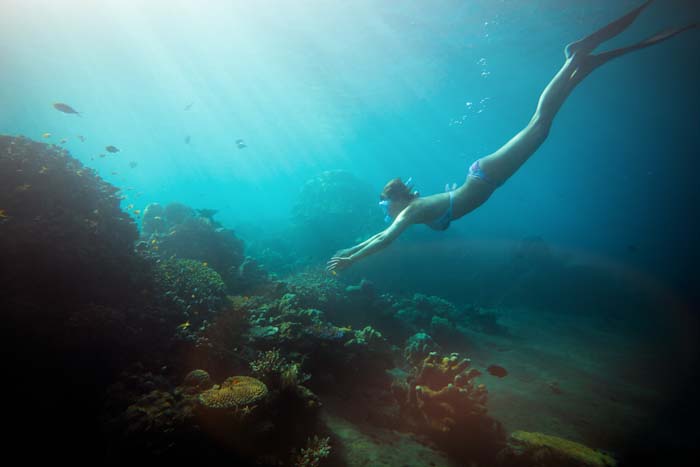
205, 264
189, 106
131, 206
187, 139
112, 149
241, 144
24, 187
184, 325
65, 108
3, 214
81, 138
498, 371
46, 135
334, 273
43, 169
114, 172
63, 141
137, 212
154, 241
133, 164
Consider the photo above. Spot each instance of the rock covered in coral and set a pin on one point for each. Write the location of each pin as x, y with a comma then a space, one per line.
153, 220
197, 380
191, 286
178, 230
239, 421
61, 227
159, 412
249, 276
177, 213
526, 449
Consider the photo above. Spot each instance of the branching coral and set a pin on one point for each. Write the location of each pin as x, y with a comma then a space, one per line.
268, 364
315, 451
444, 394
272, 368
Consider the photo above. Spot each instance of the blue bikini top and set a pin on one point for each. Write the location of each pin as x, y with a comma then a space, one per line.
443, 222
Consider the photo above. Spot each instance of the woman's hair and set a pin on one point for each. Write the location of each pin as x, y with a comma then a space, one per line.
396, 190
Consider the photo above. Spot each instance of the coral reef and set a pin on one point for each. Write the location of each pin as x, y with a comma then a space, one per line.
61, 229
131, 324
192, 287
250, 276
153, 220
274, 370
526, 449
315, 451
180, 231
240, 420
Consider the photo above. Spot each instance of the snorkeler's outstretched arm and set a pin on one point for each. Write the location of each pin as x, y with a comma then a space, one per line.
373, 244
358, 247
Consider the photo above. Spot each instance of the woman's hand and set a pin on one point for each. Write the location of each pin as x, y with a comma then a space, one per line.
338, 263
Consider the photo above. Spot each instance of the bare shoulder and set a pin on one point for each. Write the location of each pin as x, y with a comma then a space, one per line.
424, 209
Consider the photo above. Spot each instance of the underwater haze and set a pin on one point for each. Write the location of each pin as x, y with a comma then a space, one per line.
273, 125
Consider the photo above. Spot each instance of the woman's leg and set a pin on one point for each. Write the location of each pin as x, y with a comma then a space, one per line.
579, 63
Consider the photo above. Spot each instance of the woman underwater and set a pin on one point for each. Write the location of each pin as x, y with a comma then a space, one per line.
488, 173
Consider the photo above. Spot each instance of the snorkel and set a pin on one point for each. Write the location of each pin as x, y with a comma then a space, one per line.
386, 206
386, 202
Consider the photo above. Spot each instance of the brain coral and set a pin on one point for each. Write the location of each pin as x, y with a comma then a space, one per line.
198, 379
237, 391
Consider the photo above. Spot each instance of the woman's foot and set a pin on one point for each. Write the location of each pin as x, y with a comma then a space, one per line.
589, 43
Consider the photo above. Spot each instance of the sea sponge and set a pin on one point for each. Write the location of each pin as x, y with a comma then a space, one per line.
236, 392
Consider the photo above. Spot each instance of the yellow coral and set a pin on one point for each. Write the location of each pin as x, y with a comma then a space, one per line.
546, 446
235, 392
